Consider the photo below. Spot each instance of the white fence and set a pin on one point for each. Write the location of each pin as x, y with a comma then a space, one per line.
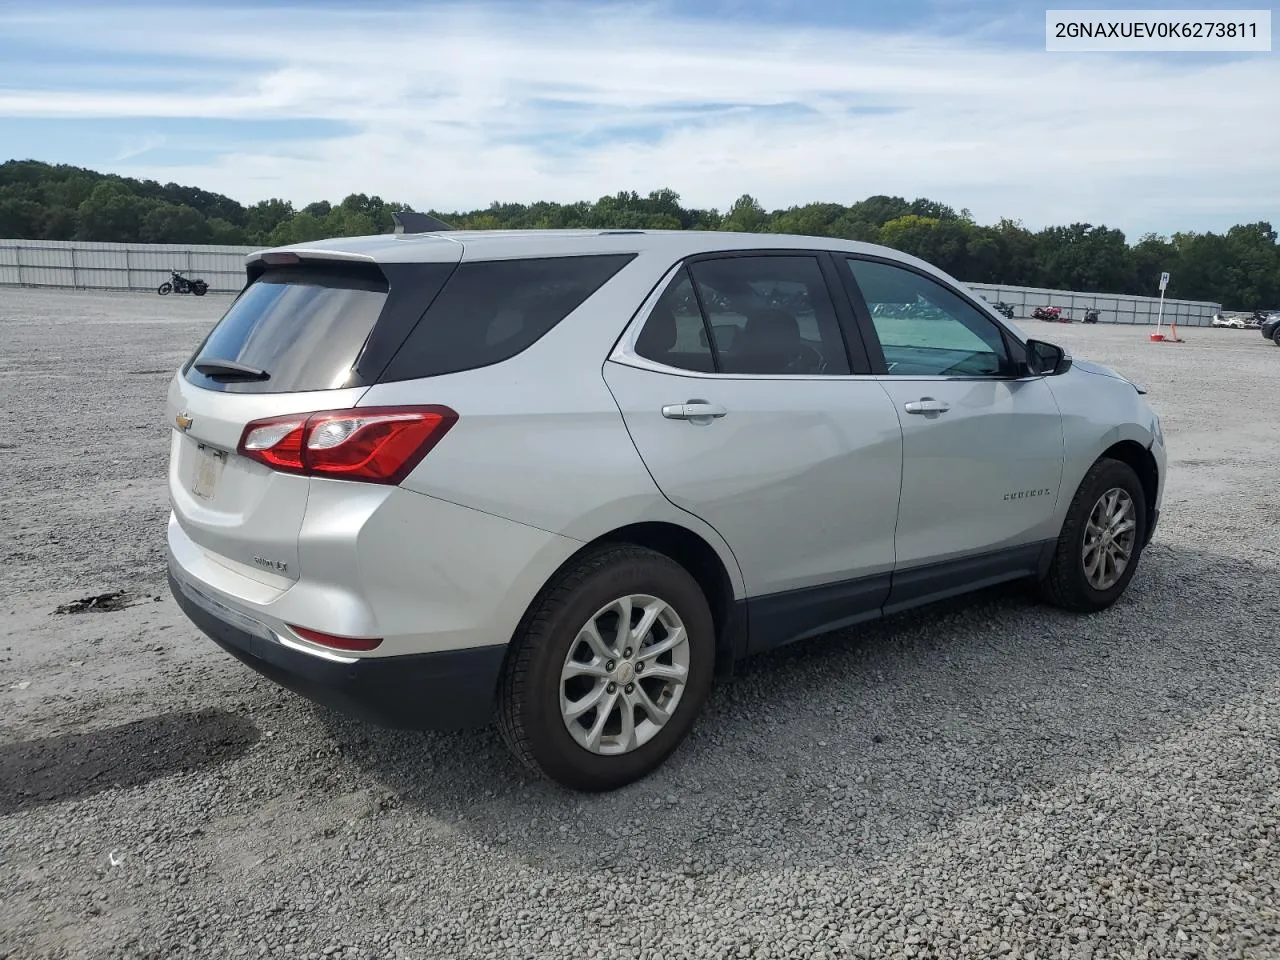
144, 266
1111, 307
118, 266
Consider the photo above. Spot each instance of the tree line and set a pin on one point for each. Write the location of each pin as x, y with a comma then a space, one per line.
1239, 268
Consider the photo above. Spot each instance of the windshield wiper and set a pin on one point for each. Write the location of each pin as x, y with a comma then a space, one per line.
230, 370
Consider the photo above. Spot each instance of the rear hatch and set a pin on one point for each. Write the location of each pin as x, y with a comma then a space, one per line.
304, 335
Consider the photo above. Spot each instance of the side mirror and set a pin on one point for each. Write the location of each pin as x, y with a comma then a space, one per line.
1046, 359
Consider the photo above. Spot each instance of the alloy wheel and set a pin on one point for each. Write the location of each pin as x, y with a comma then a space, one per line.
1109, 539
624, 674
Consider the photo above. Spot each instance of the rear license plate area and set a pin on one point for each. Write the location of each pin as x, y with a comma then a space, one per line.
207, 471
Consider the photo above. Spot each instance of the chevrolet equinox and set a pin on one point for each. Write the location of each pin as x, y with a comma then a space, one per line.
564, 479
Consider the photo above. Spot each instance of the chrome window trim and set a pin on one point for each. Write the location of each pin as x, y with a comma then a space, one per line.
624, 351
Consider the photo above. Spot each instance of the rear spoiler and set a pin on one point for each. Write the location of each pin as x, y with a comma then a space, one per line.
409, 222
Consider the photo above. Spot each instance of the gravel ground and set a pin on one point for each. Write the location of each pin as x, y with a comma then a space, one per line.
990, 777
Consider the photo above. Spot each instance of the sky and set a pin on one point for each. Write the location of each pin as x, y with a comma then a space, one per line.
453, 105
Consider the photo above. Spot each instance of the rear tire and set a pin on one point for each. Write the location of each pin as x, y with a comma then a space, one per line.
165, 288
199, 288
1078, 577
555, 642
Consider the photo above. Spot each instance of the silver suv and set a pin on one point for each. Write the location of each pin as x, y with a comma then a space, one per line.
565, 479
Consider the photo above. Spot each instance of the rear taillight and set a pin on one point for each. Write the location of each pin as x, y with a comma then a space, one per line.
373, 444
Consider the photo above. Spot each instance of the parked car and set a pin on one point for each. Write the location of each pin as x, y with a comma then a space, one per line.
566, 479
1269, 324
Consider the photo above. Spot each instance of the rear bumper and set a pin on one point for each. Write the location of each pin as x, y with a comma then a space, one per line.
448, 690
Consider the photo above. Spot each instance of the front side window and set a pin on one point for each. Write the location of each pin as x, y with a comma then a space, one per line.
926, 329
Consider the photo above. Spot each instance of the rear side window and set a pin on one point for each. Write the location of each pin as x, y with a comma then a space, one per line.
771, 315
489, 311
675, 335
305, 329
762, 315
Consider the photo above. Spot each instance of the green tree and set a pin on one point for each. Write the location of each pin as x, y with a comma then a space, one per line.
61, 223
943, 243
169, 223
226, 233
1254, 275
264, 216
879, 209
746, 216
1151, 256
345, 222
21, 219
1239, 268
1083, 257
112, 213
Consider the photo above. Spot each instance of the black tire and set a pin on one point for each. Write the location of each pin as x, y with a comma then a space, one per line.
529, 691
199, 288
165, 288
1065, 584
1275, 336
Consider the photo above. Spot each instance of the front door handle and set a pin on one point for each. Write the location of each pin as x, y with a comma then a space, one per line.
926, 405
699, 411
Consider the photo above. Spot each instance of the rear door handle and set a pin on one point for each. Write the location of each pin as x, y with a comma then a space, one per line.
693, 410
926, 405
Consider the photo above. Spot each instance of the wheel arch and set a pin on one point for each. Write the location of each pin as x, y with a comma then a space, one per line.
1143, 463
700, 559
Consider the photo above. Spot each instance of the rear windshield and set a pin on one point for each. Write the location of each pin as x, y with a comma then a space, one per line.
489, 311
304, 328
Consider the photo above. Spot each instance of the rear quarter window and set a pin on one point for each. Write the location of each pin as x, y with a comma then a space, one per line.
491, 310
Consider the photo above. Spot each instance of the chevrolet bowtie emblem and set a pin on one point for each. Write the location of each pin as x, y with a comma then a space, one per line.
183, 421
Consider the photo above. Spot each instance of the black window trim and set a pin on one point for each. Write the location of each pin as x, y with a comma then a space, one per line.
399, 315
1014, 347
855, 348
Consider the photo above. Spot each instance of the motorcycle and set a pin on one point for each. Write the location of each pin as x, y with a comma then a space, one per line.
180, 284
1049, 314
1005, 309
1091, 316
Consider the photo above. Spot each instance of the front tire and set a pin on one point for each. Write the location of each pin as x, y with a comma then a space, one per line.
1275, 336
608, 670
1101, 541
165, 289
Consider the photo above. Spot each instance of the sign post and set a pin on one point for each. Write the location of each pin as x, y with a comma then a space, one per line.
1164, 282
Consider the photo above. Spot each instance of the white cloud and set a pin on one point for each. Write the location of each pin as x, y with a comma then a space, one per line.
455, 106
137, 147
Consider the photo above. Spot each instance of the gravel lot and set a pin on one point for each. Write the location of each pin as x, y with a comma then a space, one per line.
987, 778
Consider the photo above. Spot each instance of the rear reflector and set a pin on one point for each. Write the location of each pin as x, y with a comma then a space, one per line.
336, 643
370, 444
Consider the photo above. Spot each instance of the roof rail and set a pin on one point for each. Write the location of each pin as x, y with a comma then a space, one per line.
409, 222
